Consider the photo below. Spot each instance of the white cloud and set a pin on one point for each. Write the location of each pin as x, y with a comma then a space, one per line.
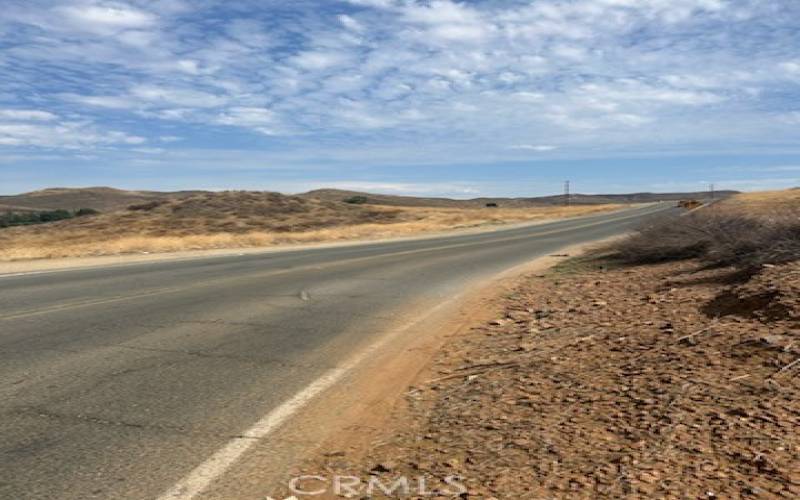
188, 66
790, 70
166, 96
319, 60
694, 81
68, 135
104, 17
791, 67
792, 118
351, 23
447, 21
142, 39
459, 32
107, 101
529, 96
26, 115
380, 4
632, 90
569, 52
363, 119
535, 147
441, 12
149, 151
630, 119
246, 117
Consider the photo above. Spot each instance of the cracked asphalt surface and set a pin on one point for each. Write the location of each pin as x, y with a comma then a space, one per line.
115, 382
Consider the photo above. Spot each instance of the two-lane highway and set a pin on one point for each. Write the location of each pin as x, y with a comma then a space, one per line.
117, 382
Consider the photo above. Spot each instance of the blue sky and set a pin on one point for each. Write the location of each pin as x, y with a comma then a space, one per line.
481, 97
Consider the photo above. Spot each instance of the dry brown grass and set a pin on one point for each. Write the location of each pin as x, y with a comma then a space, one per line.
763, 202
247, 220
748, 230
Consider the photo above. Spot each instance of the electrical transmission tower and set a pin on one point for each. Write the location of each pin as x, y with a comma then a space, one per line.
567, 199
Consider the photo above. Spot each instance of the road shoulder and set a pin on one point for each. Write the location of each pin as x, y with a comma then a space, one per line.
601, 383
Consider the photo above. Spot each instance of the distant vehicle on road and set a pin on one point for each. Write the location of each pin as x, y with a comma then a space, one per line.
689, 204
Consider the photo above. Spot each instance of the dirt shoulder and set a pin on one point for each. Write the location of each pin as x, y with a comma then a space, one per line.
653, 381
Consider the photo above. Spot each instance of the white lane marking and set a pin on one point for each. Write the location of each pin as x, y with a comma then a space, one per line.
201, 477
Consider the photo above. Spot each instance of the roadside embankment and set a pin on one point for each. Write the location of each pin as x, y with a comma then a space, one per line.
677, 376
643, 381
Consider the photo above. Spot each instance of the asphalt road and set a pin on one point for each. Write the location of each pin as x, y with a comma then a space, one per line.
116, 382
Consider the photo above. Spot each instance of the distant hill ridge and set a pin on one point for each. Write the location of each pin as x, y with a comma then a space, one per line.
107, 199
104, 199
578, 199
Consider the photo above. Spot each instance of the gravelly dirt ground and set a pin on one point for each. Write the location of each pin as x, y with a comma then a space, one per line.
649, 382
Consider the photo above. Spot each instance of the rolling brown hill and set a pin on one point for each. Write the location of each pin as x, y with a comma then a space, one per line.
208, 213
104, 199
339, 195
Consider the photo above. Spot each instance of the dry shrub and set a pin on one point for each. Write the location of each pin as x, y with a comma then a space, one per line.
780, 242
668, 239
150, 205
718, 238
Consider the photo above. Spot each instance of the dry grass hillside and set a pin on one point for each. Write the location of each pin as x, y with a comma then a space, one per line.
103, 199
247, 219
764, 202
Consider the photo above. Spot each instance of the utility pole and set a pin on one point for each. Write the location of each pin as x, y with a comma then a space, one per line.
567, 199
711, 191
